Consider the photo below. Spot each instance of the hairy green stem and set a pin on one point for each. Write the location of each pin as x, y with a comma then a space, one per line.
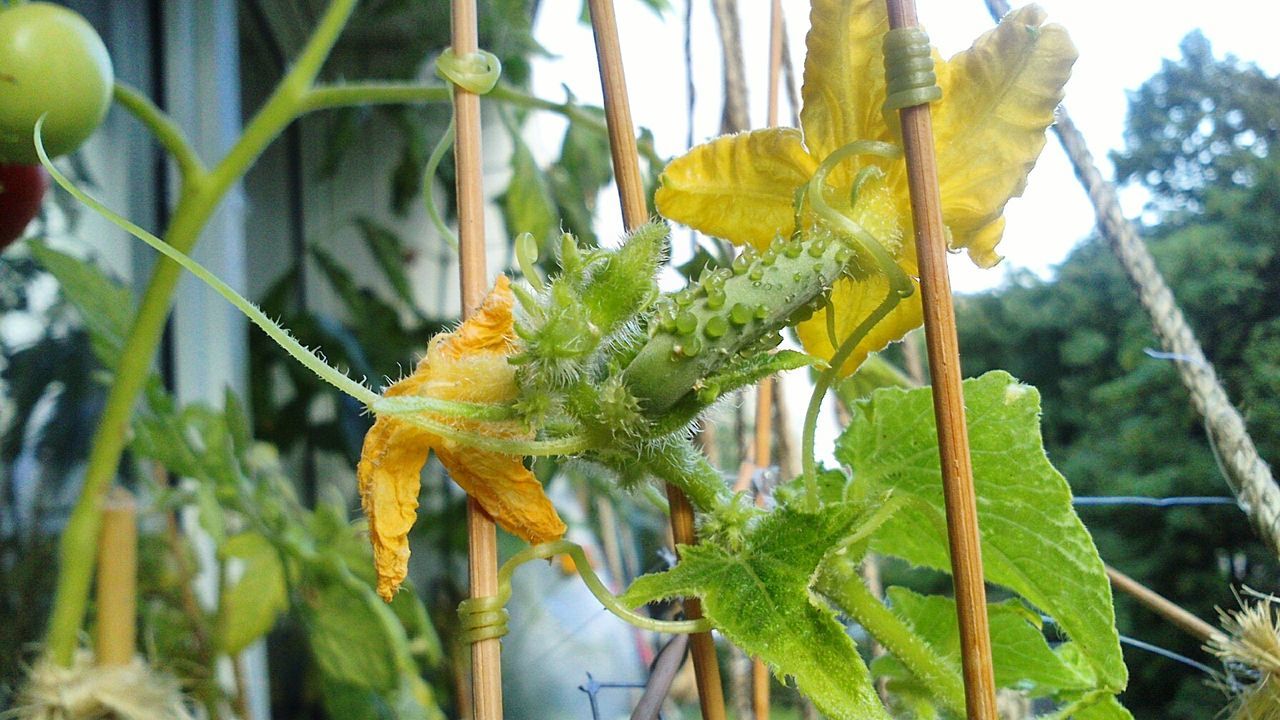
328, 97
197, 203
682, 465
305, 357
935, 672
572, 112
414, 405
428, 184
610, 601
568, 445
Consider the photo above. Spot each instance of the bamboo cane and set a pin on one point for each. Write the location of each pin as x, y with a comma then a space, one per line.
635, 212
482, 538
764, 392
114, 639
948, 398
1179, 616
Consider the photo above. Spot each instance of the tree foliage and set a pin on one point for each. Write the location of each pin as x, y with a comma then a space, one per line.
1199, 123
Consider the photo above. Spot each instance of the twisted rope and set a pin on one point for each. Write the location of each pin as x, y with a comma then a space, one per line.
1244, 470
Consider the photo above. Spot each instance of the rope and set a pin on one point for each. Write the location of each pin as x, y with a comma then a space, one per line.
486, 617
908, 70
1245, 472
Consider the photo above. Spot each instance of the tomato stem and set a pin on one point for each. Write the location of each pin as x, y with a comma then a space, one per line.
200, 197
165, 130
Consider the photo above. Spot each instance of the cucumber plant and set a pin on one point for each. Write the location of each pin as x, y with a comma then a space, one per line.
600, 366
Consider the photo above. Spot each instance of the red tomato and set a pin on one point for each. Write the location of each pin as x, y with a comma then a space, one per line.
21, 190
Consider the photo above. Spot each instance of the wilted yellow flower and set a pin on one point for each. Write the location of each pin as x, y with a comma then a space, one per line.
989, 128
466, 365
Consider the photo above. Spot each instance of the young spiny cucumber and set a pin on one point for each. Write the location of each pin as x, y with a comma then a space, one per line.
733, 310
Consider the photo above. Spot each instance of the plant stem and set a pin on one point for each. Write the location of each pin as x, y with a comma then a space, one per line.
686, 468
844, 588
899, 287
200, 197
328, 97
165, 130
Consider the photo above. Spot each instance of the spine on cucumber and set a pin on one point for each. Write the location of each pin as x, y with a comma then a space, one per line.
732, 311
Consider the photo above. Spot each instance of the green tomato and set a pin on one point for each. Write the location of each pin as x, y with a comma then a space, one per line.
51, 61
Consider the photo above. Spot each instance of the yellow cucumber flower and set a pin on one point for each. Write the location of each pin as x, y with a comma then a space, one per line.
466, 365
998, 99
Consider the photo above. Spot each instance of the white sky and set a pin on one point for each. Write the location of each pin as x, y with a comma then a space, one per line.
1121, 43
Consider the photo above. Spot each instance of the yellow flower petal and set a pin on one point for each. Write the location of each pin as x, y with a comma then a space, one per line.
853, 301
507, 490
998, 99
738, 187
468, 364
844, 78
390, 465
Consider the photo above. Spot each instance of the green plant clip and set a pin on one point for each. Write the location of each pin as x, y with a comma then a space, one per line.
908, 70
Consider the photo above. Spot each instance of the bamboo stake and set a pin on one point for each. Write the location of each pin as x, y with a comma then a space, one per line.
114, 641
948, 398
760, 688
1163, 606
482, 538
775, 60
635, 212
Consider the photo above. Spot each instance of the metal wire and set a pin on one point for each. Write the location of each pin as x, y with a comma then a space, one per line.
1171, 655
1139, 500
593, 687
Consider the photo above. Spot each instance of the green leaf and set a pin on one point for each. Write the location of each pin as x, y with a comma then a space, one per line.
527, 205
1023, 659
390, 253
209, 512
350, 702
1107, 709
1032, 540
105, 306
250, 606
872, 375
412, 699
354, 636
738, 373
585, 154
424, 641
759, 595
